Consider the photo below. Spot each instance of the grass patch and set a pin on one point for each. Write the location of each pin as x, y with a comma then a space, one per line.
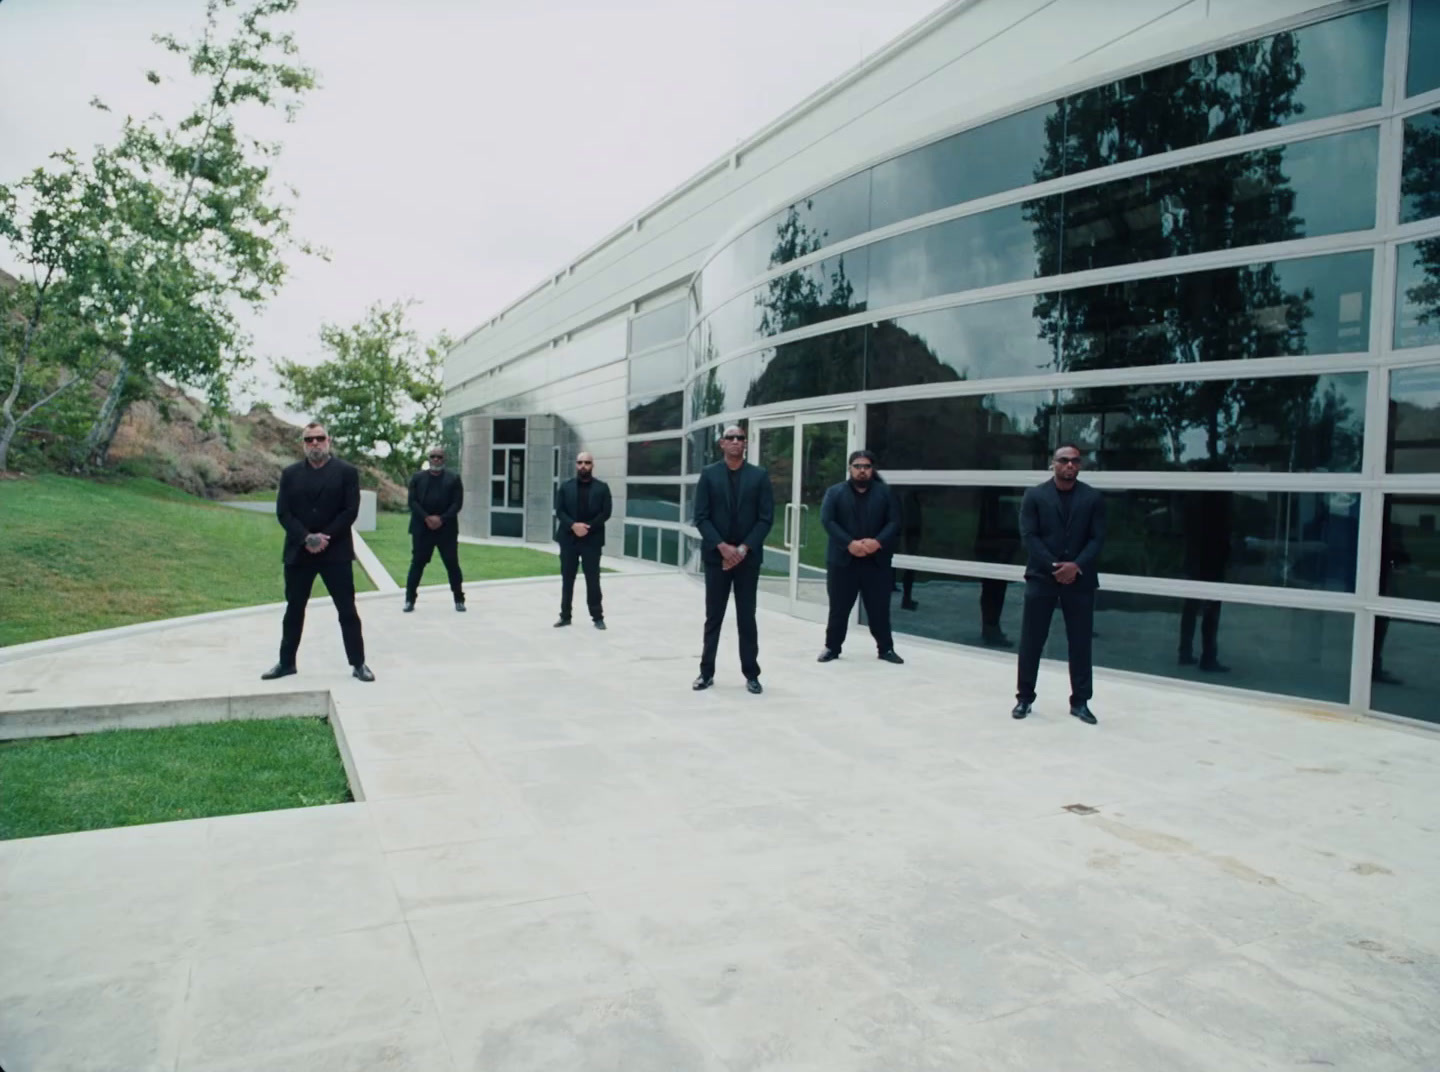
391, 543
83, 554
259, 495
127, 777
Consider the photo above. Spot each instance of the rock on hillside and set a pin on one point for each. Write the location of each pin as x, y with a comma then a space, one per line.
167, 438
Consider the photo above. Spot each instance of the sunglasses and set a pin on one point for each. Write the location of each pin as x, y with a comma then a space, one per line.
734, 438
861, 465
315, 438
584, 463
437, 457
1067, 461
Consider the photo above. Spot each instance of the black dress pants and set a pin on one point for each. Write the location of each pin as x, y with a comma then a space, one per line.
580, 555
422, 546
744, 581
871, 582
339, 578
1079, 611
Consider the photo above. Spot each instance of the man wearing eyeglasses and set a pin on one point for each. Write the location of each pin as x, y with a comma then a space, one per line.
1062, 525
317, 504
436, 496
734, 509
863, 520
582, 506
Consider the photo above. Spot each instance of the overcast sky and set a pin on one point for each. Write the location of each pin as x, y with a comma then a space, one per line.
458, 150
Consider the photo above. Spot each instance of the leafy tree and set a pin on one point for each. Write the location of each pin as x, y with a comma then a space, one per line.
197, 228
379, 394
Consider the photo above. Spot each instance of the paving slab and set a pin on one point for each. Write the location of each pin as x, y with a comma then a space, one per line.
566, 859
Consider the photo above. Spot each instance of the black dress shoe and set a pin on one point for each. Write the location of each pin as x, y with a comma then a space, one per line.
1020, 710
1186, 659
409, 606
702, 682
459, 606
600, 623
278, 670
753, 686
1213, 666
363, 672
891, 657
1082, 712
827, 655
562, 623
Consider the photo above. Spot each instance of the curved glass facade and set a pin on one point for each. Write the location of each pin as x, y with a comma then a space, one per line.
1227, 311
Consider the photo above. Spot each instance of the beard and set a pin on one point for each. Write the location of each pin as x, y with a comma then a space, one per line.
317, 454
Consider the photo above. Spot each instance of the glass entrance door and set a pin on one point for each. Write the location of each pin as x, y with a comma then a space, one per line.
805, 454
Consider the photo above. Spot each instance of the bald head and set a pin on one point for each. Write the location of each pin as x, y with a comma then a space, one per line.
585, 465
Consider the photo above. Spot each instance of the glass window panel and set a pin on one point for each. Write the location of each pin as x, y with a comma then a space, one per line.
986, 249
1285, 424
1423, 71
1417, 294
497, 493
655, 502
1420, 172
669, 547
632, 541
515, 494
1311, 305
1410, 548
505, 523
660, 368
1402, 671
1316, 187
653, 457
1001, 155
811, 295
656, 414
497, 462
1278, 539
509, 430
1269, 649
806, 368
1324, 69
1002, 431
1414, 436
649, 544
658, 326
969, 342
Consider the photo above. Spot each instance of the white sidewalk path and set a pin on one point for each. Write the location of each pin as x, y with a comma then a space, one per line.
566, 861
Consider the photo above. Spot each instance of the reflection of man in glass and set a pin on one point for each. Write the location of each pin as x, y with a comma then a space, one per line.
1207, 519
1062, 525
1392, 554
996, 540
863, 521
909, 544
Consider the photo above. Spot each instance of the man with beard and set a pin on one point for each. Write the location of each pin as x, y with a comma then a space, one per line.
436, 496
734, 509
863, 520
1062, 525
317, 504
582, 506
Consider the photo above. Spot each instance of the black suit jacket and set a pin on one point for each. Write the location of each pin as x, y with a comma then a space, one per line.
331, 510
1048, 539
840, 514
454, 499
755, 504
567, 507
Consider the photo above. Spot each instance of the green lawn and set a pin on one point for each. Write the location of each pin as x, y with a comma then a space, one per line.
391, 544
80, 555
126, 777
259, 495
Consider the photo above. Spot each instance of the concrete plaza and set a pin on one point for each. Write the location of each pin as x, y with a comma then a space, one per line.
566, 860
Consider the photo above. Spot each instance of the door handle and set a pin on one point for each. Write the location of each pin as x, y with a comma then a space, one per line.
785, 538
800, 525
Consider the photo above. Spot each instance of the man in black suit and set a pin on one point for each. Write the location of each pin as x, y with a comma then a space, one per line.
582, 506
317, 504
1062, 525
863, 520
734, 509
436, 496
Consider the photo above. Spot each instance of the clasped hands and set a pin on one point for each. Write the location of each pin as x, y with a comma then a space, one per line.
1065, 572
316, 542
579, 528
434, 521
731, 555
867, 546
